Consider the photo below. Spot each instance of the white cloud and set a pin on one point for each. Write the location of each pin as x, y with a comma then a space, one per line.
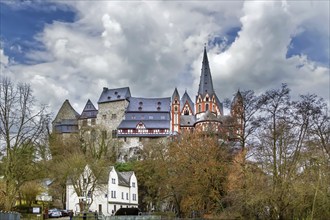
4, 60
154, 46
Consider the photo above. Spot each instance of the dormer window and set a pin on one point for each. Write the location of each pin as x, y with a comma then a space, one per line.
140, 103
109, 97
118, 96
116, 92
158, 108
159, 103
207, 99
140, 108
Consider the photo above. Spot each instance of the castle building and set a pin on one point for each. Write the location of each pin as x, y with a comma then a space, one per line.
133, 119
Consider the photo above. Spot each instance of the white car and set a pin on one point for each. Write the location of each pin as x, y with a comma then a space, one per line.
54, 213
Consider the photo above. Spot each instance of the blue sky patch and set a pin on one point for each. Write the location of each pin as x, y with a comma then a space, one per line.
19, 25
311, 43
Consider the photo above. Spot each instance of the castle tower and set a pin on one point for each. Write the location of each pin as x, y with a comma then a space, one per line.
206, 99
175, 111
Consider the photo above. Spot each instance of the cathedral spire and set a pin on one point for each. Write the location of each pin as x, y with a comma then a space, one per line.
205, 84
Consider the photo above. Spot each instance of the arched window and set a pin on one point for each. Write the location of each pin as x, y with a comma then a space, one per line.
186, 112
206, 107
199, 108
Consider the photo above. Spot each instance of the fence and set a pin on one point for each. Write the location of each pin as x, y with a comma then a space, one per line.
10, 215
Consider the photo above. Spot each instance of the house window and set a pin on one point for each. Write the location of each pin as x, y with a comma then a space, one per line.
199, 108
126, 196
175, 108
186, 112
113, 194
105, 195
134, 197
113, 116
133, 184
122, 195
207, 107
113, 181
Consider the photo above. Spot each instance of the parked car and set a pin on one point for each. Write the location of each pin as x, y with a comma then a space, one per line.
54, 213
66, 212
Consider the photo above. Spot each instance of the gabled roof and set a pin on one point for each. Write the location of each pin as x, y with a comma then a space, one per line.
66, 112
149, 104
205, 83
185, 98
124, 178
89, 111
112, 95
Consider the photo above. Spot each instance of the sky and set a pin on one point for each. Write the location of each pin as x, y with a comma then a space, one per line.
72, 49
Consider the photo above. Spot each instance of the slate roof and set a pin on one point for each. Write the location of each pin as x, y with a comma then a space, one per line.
89, 111
208, 116
175, 94
124, 178
187, 120
149, 104
205, 83
112, 95
186, 98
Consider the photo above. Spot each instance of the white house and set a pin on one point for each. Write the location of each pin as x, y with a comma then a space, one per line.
114, 191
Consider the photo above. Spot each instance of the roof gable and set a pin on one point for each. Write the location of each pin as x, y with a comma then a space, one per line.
66, 112
89, 111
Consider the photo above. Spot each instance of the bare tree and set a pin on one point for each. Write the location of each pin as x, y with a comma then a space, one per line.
22, 124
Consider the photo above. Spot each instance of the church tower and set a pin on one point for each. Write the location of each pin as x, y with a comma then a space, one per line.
175, 111
206, 99
237, 112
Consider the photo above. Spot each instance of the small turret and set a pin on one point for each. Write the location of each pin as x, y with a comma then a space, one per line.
175, 111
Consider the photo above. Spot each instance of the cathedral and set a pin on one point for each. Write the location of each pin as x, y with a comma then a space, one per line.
131, 119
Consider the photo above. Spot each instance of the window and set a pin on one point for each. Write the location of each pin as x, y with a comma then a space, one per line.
175, 108
113, 194
105, 195
207, 107
133, 184
199, 108
134, 197
113, 116
113, 181
122, 195
186, 112
126, 196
